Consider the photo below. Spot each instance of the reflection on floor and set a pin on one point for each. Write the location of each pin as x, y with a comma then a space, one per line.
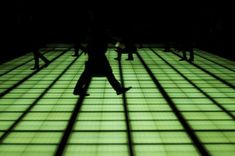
173, 108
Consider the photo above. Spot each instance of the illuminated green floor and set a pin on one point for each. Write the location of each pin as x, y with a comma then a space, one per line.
173, 108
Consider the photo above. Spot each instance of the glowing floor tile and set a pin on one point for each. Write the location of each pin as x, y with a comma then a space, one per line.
156, 125
206, 116
98, 138
160, 137
35, 150
53, 107
100, 125
152, 116
13, 108
102, 150
217, 137
225, 150
56, 116
9, 116
152, 150
102, 107
197, 107
33, 138
57, 101
4, 125
149, 107
41, 125
212, 125
17, 101
106, 116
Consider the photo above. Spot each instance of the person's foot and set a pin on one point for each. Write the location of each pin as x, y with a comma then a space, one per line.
182, 59
80, 93
123, 90
46, 64
75, 55
35, 68
190, 60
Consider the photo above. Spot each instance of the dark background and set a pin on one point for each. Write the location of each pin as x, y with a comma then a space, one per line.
60, 22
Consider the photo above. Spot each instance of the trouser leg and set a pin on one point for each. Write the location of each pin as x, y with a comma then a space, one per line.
191, 55
36, 59
113, 82
43, 57
82, 82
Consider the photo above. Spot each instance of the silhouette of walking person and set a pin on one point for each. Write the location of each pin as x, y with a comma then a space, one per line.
125, 34
37, 55
36, 40
78, 46
185, 36
80, 23
187, 47
127, 47
78, 33
97, 64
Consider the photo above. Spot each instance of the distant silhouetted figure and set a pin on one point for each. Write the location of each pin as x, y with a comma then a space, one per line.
78, 19
167, 27
126, 47
37, 55
78, 38
184, 47
36, 39
167, 46
97, 64
123, 30
78, 47
185, 34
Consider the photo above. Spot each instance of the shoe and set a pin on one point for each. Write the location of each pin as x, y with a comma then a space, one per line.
123, 90
129, 59
46, 64
190, 60
80, 93
75, 54
35, 68
182, 59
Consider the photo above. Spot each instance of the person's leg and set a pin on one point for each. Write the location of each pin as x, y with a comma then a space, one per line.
47, 62
84, 80
113, 81
130, 48
119, 54
36, 60
76, 48
130, 56
107, 70
191, 53
83, 49
167, 46
184, 56
130, 53
115, 84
